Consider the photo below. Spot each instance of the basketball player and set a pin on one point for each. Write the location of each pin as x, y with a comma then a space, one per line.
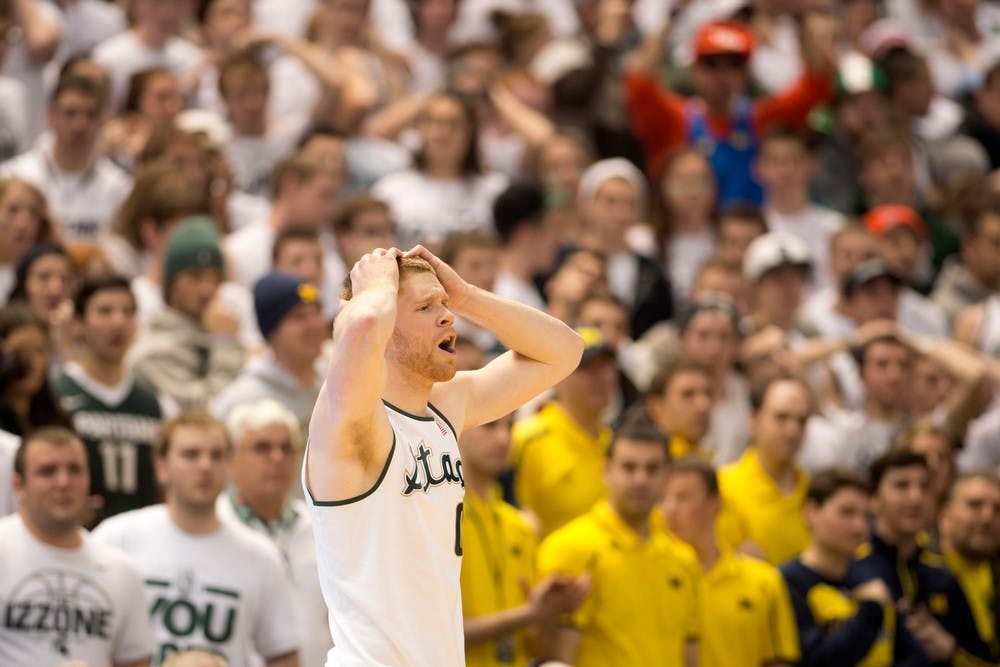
382, 473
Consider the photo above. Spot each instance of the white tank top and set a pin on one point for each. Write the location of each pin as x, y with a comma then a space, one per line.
989, 330
389, 559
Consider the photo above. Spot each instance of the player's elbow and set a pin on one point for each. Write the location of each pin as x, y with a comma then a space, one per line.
574, 350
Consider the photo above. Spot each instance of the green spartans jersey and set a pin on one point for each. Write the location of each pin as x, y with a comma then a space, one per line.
119, 427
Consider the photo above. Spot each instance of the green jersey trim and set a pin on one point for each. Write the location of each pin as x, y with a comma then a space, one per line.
378, 482
405, 413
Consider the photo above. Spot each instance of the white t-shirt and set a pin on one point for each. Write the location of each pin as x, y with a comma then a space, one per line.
776, 62
223, 591
60, 605
814, 225
297, 547
860, 440
8, 447
7, 279
623, 276
253, 159
511, 287
289, 17
686, 252
125, 54
13, 117
389, 559
428, 209
87, 24
988, 340
982, 443
84, 203
238, 299
728, 432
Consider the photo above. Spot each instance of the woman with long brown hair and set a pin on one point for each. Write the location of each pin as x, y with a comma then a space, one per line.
25, 221
26, 399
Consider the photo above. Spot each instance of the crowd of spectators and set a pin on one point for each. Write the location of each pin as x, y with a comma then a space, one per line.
776, 224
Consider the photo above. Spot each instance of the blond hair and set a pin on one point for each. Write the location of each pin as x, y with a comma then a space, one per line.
407, 266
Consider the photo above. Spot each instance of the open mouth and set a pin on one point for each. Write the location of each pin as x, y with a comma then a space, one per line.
448, 344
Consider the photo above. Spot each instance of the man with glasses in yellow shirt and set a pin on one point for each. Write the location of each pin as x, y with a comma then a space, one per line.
744, 610
641, 609
506, 621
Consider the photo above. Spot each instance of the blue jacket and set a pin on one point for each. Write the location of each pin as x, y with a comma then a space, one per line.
836, 631
922, 580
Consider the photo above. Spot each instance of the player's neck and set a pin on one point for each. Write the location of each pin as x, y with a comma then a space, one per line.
193, 520
106, 373
68, 538
407, 392
825, 561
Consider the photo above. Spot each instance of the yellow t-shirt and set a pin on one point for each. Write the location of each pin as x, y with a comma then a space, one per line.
641, 609
745, 615
976, 580
774, 519
559, 466
498, 552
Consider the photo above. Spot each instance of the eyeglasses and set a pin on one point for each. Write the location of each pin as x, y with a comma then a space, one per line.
723, 61
264, 449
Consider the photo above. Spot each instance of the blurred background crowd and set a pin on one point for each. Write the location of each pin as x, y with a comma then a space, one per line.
776, 223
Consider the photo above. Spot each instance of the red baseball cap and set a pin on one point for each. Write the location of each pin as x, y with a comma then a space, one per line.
718, 38
883, 219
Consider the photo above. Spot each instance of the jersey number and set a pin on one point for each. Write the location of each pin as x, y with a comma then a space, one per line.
121, 470
458, 528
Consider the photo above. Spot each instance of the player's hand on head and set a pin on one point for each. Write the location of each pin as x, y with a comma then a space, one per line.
456, 287
376, 268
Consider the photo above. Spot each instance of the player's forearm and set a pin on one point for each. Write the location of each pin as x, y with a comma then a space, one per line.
489, 627
369, 315
360, 335
525, 330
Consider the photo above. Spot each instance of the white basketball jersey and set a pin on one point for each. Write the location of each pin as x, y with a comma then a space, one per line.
390, 559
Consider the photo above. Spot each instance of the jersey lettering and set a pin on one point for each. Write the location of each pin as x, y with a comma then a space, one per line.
422, 476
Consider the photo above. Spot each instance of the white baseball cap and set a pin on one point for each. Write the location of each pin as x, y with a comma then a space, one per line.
774, 250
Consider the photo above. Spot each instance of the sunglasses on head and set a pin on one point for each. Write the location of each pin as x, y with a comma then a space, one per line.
723, 61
